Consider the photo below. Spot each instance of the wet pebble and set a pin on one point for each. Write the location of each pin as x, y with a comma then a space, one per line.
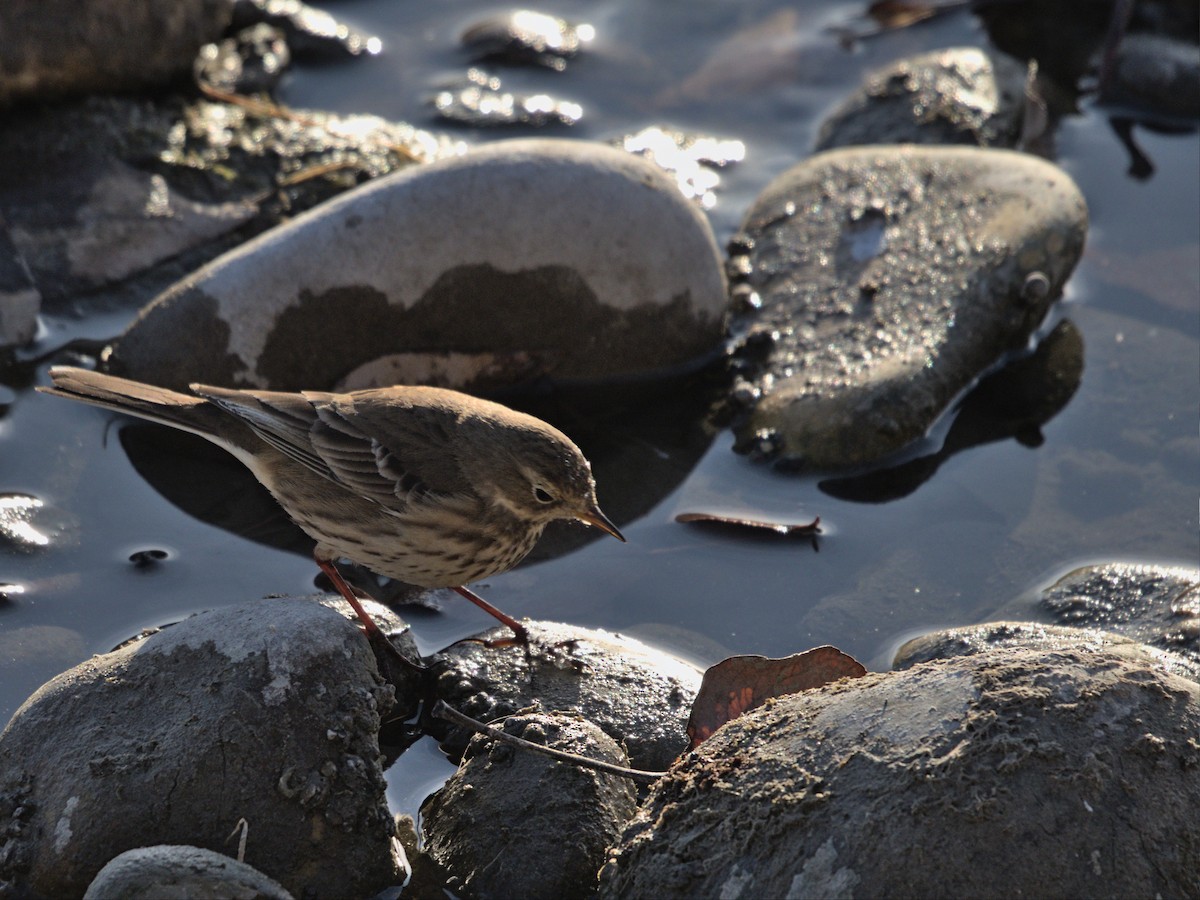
27, 524
583, 257
639, 696
960, 95
498, 825
1006, 773
312, 34
152, 873
268, 711
252, 61
525, 36
480, 100
890, 279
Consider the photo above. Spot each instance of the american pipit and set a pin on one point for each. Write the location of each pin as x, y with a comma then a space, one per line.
430, 486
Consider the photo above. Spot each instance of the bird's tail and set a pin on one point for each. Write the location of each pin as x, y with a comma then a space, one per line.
194, 414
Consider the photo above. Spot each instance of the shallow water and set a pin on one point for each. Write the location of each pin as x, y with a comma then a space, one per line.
1115, 478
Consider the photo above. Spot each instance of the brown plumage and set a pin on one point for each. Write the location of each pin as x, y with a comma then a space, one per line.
429, 486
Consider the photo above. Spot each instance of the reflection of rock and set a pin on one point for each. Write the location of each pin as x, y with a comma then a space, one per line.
961, 95
1007, 773
638, 696
883, 281
268, 711
519, 247
498, 825
56, 47
172, 871
1013, 402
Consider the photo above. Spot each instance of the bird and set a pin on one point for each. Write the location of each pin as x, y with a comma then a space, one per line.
427, 485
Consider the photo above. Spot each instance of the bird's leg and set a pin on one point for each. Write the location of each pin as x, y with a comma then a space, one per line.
347, 592
520, 634
375, 636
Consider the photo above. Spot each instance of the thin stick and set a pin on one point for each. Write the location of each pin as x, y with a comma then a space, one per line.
442, 711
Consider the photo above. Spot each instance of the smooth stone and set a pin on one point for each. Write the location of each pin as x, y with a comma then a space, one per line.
267, 711
169, 872
960, 95
102, 46
1005, 774
986, 636
639, 696
583, 256
524, 36
515, 823
884, 280
1157, 605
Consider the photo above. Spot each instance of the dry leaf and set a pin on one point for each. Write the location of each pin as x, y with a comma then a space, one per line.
741, 683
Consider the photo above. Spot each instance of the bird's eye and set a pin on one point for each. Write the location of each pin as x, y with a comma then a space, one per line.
543, 495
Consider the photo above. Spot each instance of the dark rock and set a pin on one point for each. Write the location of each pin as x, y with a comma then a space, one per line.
639, 697
267, 712
154, 873
525, 36
58, 47
1010, 773
514, 823
1157, 75
960, 95
893, 277
480, 100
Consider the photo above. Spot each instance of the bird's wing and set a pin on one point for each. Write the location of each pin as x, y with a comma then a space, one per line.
390, 453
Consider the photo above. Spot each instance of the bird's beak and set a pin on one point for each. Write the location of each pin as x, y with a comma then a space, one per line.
597, 519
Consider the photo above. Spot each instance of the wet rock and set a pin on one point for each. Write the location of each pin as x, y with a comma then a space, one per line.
1010, 773
639, 697
972, 639
889, 279
479, 100
579, 255
152, 873
514, 823
268, 711
312, 34
116, 191
252, 61
525, 36
1156, 74
66, 47
960, 95
1157, 605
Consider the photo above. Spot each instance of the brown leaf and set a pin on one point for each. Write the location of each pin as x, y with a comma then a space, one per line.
742, 683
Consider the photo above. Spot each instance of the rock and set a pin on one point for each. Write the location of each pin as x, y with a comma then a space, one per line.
881, 282
117, 191
268, 711
1156, 74
525, 36
640, 697
312, 34
514, 823
154, 873
972, 639
1157, 605
960, 95
66, 47
582, 256
1004, 774
252, 61
480, 101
